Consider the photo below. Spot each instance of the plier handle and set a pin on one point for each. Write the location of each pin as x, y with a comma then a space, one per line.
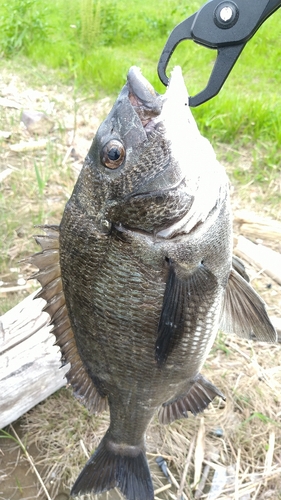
223, 25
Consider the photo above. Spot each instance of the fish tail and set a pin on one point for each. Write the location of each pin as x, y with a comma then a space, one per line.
113, 465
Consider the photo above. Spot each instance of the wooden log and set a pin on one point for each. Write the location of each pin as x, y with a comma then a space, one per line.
29, 362
255, 227
263, 257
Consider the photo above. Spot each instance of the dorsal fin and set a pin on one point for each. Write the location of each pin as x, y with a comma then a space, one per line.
49, 276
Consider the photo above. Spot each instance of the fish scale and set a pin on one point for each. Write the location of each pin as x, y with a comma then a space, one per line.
112, 308
139, 276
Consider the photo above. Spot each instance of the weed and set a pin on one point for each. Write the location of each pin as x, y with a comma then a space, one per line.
261, 417
98, 41
21, 25
263, 165
220, 344
90, 22
40, 181
6, 435
19, 485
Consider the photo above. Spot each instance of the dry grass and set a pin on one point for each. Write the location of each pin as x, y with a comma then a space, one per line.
235, 446
263, 197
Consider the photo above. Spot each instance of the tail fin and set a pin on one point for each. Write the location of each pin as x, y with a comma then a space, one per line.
116, 465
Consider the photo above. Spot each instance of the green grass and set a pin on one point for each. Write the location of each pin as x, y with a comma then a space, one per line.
93, 43
97, 41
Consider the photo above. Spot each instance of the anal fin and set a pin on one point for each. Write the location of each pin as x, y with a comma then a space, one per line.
199, 396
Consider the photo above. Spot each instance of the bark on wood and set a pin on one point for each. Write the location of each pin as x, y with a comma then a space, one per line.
263, 257
29, 362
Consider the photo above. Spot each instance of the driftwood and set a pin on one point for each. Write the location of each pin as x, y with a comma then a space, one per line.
263, 257
29, 145
5, 173
255, 227
29, 362
9, 103
5, 135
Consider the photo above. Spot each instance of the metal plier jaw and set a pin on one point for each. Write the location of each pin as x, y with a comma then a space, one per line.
223, 25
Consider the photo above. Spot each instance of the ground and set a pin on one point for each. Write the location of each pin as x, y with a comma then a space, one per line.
236, 443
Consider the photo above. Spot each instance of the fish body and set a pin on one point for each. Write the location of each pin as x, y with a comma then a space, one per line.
139, 277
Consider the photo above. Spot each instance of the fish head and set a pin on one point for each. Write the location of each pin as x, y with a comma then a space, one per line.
146, 161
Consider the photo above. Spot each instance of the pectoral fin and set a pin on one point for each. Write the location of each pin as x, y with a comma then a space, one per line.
198, 397
244, 313
171, 324
184, 292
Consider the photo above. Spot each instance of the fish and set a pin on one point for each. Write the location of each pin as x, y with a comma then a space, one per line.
139, 276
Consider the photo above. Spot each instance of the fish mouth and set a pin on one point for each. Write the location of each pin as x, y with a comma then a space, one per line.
159, 113
153, 107
145, 100
168, 118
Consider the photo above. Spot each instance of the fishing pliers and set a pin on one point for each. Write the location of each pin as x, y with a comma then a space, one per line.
223, 25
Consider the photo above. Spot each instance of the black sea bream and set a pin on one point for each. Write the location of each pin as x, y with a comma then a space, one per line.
139, 277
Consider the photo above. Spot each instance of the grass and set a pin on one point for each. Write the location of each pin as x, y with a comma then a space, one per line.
98, 41
31, 176
26, 196
62, 68
40, 180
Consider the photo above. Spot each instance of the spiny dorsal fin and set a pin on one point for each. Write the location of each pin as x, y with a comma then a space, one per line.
244, 313
199, 396
182, 289
49, 276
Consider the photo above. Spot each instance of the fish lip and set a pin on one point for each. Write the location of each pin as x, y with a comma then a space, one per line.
142, 96
141, 88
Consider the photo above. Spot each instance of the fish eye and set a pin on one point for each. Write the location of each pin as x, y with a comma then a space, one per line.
113, 154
